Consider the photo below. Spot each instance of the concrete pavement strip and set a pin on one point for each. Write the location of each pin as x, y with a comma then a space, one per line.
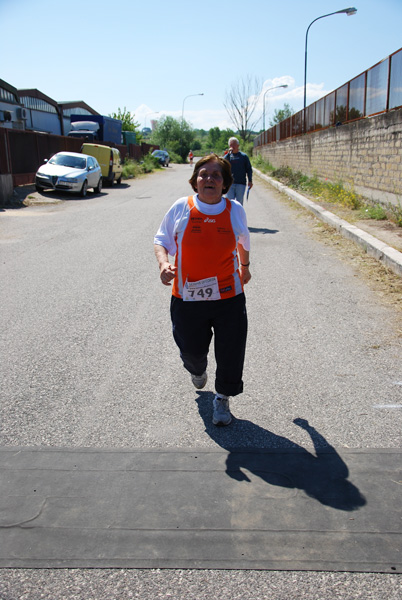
274, 509
381, 251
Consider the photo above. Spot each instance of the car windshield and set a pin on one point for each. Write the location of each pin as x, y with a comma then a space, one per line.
75, 162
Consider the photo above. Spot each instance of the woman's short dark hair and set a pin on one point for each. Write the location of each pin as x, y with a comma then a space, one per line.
225, 168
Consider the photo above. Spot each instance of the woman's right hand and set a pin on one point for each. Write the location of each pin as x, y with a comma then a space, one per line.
245, 274
167, 273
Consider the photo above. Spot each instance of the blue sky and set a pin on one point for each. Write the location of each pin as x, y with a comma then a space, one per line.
149, 55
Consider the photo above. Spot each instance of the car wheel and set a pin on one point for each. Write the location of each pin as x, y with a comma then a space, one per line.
38, 188
84, 189
98, 188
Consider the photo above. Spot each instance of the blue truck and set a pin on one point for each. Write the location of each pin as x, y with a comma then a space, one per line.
96, 128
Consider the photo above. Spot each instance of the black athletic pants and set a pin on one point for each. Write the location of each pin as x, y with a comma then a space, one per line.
193, 326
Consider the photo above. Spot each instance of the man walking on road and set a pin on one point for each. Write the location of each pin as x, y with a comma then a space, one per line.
241, 171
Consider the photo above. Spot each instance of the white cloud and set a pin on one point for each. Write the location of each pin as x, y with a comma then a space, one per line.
144, 114
274, 100
208, 118
199, 119
277, 97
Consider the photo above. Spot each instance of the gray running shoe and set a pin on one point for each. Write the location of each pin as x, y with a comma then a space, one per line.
199, 381
221, 414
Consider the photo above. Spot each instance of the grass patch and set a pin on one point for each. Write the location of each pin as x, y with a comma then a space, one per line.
133, 168
394, 212
326, 191
176, 158
322, 190
375, 211
263, 165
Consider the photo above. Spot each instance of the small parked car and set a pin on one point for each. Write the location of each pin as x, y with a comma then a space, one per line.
70, 172
162, 156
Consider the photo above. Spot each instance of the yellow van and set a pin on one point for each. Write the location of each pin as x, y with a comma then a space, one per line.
109, 160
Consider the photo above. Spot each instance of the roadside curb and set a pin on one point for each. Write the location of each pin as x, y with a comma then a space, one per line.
374, 247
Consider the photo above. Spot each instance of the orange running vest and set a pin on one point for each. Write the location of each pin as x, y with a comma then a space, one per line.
207, 247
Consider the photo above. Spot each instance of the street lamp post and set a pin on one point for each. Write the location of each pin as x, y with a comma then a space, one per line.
349, 12
182, 117
182, 110
150, 113
285, 85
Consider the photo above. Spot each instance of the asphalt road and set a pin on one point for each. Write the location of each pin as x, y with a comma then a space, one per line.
88, 361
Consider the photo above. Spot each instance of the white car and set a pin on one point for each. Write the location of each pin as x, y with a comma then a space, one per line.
70, 172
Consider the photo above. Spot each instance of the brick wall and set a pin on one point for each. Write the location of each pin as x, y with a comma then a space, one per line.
365, 155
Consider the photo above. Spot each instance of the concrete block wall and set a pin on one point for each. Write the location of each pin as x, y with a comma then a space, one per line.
365, 155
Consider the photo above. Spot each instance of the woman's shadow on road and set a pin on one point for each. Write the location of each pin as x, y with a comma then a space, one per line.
281, 462
262, 230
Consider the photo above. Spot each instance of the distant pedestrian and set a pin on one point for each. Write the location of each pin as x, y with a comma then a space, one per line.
242, 171
190, 157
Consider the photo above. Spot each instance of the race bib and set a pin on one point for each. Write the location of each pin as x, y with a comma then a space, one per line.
204, 289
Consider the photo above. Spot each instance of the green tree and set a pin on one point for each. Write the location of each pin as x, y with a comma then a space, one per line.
201, 133
217, 140
176, 136
127, 119
213, 137
281, 114
223, 143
